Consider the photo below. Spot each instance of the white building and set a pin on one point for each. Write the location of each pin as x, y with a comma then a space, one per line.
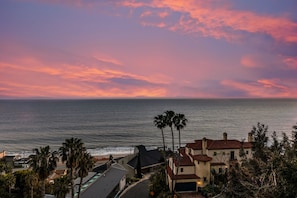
193, 168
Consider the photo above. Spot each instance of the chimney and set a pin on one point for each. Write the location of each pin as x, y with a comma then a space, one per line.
225, 135
204, 146
250, 137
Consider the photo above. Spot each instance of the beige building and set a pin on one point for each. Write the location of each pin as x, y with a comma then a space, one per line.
193, 168
2, 154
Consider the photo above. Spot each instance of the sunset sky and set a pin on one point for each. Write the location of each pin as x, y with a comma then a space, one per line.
149, 48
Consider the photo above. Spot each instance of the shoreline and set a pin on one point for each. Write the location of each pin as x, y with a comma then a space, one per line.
103, 152
99, 160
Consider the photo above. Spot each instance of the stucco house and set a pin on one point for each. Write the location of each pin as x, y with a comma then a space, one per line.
191, 169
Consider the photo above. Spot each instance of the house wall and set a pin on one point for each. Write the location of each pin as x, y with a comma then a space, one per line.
196, 152
225, 154
186, 170
203, 171
122, 183
169, 182
172, 166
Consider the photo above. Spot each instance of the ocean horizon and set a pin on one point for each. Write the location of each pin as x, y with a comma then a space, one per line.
115, 126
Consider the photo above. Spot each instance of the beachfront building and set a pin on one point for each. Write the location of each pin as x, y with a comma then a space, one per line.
191, 169
107, 184
147, 160
107, 180
2, 154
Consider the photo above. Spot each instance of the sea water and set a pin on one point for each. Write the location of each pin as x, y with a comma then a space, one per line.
115, 126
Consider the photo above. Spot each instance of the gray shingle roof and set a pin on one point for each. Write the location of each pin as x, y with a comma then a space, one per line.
147, 158
104, 185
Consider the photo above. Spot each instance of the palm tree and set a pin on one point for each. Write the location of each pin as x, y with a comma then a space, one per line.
43, 163
70, 153
180, 122
85, 164
9, 181
160, 123
32, 181
169, 115
61, 187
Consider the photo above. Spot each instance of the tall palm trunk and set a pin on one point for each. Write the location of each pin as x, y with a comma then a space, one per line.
172, 136
179, 144
43, 188
79, 188
163, 138
72, 182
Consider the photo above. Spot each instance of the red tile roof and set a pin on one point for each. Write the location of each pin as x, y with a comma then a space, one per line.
184, 160
201, 158
219, 144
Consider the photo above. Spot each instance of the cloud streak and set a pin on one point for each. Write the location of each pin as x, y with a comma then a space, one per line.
263, 88
207, 19
147, 48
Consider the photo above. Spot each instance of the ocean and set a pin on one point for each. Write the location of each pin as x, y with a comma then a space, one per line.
115, 126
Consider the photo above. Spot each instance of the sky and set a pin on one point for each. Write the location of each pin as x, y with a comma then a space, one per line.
148, 49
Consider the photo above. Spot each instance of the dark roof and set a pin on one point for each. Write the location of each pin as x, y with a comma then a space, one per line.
147, 158
101, 168
105, 184
141, 148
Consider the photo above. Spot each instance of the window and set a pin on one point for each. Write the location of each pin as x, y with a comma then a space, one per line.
224, 153
204, 179
214, 153
220, 170
181, 170
247, 152
232, 155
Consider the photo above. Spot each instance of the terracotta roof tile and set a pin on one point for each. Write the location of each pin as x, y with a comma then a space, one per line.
219, 144
228, 144
201, 158
195, 146
184, 159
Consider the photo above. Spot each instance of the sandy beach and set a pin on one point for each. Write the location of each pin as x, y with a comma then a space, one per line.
100, 159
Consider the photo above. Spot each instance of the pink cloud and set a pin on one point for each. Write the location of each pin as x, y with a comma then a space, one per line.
249, 61
264, 88
291, 62
32, 77
154, 24
107, 59
222, 22
206, 18
146, 13
163, 14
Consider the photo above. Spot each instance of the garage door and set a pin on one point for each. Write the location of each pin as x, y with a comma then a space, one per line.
189, 186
